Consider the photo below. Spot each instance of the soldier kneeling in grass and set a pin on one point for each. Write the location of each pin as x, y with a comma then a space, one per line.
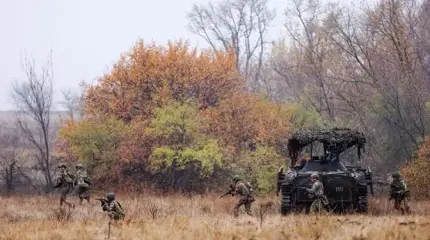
113, 207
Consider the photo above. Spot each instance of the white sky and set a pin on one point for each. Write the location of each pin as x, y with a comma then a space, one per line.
87, 37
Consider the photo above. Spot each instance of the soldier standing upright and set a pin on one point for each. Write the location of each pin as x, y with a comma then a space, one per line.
65, 183
245, 191
82, 182
400, 193
317, 194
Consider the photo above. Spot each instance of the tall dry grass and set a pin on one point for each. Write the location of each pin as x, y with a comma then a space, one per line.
176, 217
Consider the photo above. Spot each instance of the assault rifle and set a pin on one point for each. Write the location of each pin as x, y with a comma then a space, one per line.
103, 203
304, 188
230, 192
394, 195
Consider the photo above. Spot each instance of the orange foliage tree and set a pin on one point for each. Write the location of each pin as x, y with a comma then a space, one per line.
245, 120
417, 171
140, 90
150, 75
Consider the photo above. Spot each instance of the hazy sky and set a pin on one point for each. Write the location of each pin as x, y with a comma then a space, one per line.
86, 37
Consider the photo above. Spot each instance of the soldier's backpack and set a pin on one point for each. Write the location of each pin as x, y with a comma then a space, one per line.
249, 186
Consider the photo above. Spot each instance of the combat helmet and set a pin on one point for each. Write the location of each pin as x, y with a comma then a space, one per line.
314, 175
79, 166
110, 196
396, 175
236, 178
62, 165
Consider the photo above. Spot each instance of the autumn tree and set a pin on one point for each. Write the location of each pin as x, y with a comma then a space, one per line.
246, 120
173, 118
180, 139
181, 145
149, 75
417, 171
93, 142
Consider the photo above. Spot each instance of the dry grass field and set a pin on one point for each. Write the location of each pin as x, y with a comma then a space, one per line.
175, 217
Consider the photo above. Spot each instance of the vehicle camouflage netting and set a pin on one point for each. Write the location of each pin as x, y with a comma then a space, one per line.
334, 140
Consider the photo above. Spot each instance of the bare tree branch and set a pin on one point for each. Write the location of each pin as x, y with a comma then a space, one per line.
33, 99
237, 25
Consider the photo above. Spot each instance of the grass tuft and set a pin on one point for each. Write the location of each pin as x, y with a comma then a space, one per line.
176, 217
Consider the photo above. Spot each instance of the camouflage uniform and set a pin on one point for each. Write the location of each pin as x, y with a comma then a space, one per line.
317, 193
113, 208
400, 193
65, 183
82, 183
245, 191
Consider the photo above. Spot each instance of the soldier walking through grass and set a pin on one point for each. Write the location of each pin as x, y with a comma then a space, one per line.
317, 194
65, 183
245, 191
400, 193
82, 182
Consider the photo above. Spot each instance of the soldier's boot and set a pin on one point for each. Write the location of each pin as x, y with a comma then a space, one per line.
248, 209
407, 209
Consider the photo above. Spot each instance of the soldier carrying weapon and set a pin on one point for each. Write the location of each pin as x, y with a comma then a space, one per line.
82, 183
317, 193
113, 207
245, 191
400, 193
66, 183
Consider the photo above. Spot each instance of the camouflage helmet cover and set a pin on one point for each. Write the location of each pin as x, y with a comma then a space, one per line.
110, 196
236, 178
79, 166
314, 175
62, 165
396, 175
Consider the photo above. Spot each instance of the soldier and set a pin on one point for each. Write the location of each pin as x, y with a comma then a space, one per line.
245, 191
113, 207
82, 183
400, 193
317, 193
65, 183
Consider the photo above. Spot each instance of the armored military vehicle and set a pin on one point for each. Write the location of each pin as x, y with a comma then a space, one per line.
346, 187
